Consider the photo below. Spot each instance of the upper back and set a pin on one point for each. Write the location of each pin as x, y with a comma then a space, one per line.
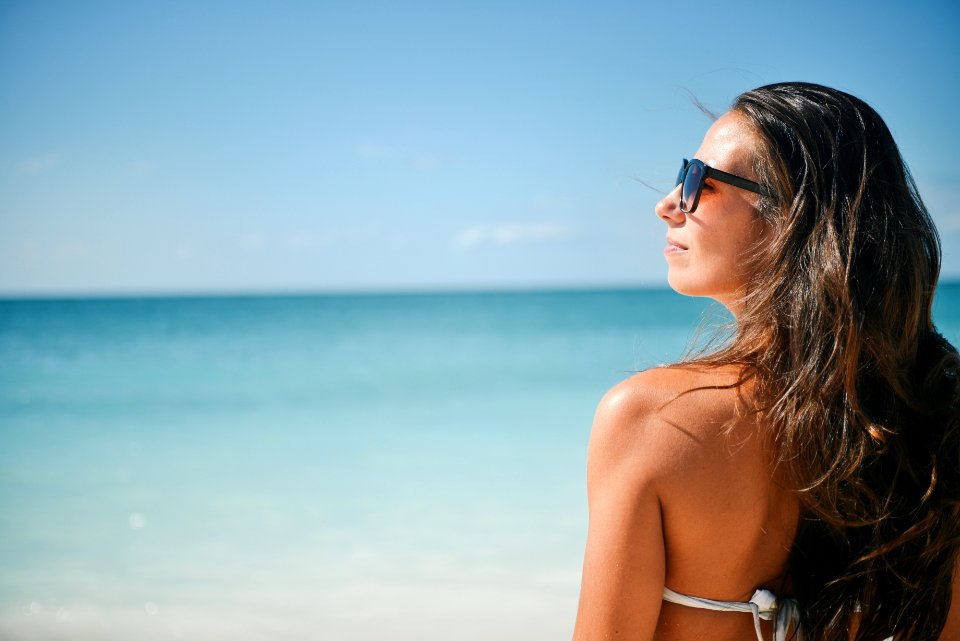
728, 522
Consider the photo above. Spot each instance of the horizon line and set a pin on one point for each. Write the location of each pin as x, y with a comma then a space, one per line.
372, 290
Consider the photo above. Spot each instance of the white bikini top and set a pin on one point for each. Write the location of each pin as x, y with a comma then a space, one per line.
764, 604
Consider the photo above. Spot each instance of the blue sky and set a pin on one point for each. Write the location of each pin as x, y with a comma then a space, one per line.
288, 146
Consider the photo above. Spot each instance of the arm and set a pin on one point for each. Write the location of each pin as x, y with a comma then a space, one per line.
951, 631
623, 570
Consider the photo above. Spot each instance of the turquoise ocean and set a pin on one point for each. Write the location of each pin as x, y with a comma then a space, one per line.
337, 467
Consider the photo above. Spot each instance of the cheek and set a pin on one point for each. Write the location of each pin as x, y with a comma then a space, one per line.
731, 251
716, 265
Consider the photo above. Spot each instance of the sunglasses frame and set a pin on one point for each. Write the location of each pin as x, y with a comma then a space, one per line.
709, 172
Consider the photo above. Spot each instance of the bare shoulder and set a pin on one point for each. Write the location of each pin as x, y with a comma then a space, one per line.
660, 421
711, 388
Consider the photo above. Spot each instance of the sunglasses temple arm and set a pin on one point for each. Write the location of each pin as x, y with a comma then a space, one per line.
736, 181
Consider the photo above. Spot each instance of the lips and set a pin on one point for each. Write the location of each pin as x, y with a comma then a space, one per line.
672, 244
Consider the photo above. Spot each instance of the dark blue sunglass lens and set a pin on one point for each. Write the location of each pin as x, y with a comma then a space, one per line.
692, 180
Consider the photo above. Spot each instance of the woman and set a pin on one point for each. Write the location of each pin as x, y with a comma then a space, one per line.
807, 473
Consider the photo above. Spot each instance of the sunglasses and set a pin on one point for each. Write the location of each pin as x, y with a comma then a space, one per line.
694, 172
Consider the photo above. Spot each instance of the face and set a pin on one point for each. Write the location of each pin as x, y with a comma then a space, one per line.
706, 249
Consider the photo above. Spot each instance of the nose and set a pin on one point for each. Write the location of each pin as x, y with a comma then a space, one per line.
668, 209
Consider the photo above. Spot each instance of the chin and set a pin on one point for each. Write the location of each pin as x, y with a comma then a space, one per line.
699, 287
682, 285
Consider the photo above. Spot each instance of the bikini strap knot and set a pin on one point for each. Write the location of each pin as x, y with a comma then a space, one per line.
766, 602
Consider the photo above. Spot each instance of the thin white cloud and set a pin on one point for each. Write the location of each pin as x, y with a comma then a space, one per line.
294, 241
40, 164
428, 162
419, 160
511, 233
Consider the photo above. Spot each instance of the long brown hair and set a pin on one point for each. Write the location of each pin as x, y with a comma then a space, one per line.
860, 392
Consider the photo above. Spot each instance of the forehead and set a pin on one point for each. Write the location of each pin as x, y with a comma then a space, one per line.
729, 144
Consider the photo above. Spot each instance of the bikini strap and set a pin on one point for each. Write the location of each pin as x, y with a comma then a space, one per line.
762, 605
